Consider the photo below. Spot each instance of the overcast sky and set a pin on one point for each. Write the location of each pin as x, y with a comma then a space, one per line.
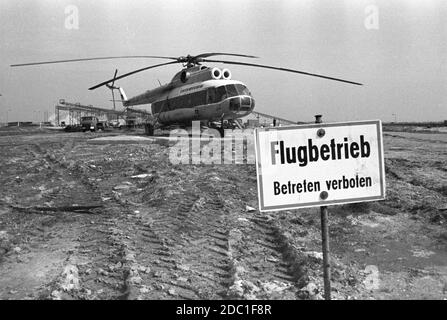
403, 63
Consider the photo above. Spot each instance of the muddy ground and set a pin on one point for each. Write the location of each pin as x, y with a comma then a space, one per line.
153, 230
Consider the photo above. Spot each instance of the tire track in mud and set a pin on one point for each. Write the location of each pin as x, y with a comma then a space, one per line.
77, 181
407, 173
100, 246
189, 235
266, 265
184, 240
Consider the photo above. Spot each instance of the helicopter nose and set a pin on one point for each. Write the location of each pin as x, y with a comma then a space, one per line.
247, 104
241, 105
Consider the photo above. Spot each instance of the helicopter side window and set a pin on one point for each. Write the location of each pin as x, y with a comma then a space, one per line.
231, 90
221, 93
188, 100
195, 99
211, 95
162, 105
156, 107
181, 102
200, 98
167, 104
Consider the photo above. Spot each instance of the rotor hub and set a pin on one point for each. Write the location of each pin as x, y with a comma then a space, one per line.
189, 60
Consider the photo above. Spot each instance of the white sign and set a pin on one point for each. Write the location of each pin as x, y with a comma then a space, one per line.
319, 164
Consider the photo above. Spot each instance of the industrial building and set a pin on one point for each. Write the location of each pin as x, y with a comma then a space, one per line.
75, 111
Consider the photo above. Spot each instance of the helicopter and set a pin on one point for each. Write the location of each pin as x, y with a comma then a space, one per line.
196, 93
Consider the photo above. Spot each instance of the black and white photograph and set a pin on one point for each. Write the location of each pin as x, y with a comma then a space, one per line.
240, 152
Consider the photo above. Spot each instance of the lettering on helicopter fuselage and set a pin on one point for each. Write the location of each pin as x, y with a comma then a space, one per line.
191, 88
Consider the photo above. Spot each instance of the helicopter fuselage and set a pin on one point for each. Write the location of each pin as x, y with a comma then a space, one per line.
197, 93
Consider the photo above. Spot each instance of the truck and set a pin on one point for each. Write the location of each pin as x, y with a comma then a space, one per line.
89, 123
118, 123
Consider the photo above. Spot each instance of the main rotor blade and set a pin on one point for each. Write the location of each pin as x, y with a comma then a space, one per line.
114, 78
206, 55
90, 59
130, 73
284, 69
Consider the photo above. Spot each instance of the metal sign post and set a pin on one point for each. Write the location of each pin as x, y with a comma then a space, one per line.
325, 241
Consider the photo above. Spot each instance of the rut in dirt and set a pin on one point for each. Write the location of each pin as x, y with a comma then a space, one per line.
98, 245
184, 231
184, 240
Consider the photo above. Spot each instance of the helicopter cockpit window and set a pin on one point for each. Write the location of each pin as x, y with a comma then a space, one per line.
243, 90
231, 90
221, 93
